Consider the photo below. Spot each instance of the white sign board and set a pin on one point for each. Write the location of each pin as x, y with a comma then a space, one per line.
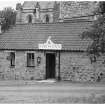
49, 45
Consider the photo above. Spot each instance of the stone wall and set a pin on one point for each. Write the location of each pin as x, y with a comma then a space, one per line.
71, 9
25, 13
24, 17
4, 66
99, 66
21, 71
43, 16
74, 66
78, 67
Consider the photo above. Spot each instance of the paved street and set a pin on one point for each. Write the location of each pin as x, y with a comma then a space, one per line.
60, 92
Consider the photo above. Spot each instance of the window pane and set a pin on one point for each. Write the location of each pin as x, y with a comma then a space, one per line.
32, 56
30, 59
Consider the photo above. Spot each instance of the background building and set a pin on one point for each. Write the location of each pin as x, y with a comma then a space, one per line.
51, 12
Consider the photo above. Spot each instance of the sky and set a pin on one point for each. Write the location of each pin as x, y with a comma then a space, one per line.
9, 3
12, 3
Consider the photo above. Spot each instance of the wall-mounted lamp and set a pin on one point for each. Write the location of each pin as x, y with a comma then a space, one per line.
93, 58
38, 60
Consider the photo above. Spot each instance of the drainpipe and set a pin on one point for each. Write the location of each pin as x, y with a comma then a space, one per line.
59, 78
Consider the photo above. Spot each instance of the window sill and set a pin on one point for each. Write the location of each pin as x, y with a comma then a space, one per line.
31, 66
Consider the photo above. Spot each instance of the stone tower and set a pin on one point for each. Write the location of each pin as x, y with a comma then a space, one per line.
37, 12
51, 12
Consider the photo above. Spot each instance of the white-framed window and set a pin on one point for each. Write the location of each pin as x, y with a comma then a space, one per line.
30, 60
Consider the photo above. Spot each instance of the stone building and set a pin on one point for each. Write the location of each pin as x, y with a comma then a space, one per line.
38, 12
45, 43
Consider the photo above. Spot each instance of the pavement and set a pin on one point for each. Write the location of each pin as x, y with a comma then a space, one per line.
47, 92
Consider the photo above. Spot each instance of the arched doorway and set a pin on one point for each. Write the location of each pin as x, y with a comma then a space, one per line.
29, 18
47, 19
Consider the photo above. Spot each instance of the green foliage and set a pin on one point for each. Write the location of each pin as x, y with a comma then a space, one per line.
97, 32
8, 16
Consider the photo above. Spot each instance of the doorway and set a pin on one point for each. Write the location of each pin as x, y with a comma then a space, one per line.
50, 65
47, 19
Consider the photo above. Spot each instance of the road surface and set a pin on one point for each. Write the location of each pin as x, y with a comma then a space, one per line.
59, 92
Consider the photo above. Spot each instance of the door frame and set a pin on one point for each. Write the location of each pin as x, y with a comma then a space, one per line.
54, 53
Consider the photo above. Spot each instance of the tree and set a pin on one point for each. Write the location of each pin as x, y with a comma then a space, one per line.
97, 32
9, 18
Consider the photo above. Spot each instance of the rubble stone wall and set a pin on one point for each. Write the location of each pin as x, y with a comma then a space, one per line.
74, 66
21, 71
71, 9
78, 67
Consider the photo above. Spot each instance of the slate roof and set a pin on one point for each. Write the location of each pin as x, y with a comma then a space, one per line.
28, 36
